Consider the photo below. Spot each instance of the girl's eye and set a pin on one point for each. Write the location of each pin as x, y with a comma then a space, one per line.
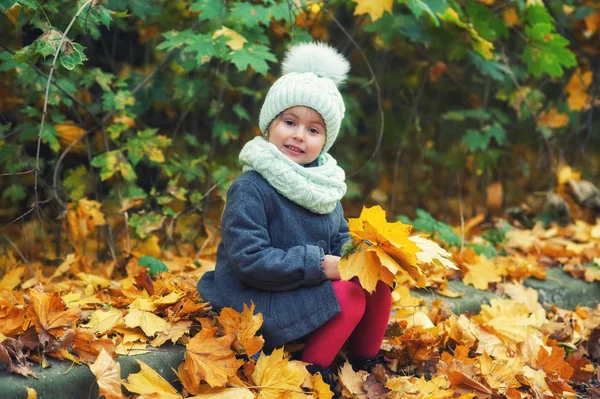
313, 130
289, 123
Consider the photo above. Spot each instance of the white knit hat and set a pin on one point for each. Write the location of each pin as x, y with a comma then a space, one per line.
310, 75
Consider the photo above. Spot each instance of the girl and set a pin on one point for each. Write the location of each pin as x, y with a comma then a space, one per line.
283, 225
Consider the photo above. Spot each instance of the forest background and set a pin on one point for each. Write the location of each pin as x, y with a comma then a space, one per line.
130, 132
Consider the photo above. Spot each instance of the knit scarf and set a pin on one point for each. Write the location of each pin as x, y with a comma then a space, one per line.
316, 188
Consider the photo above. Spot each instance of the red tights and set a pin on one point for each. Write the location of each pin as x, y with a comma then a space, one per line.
363, 320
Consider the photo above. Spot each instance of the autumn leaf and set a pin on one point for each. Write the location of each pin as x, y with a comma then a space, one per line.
431, 252
49, 313
108, 376
148, 322
32, 393
500, 375
375, 8
277, 375
13, 278
321, 389
578, 98
244, 325
150, 384
235, 40
83, 217
210, 359
102, 321
554, 362
553, 119
481, 274
225, 393
352, 381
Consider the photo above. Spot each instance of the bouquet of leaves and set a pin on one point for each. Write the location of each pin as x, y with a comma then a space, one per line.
380, 250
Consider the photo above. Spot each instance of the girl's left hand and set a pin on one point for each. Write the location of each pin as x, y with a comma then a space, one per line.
330, 267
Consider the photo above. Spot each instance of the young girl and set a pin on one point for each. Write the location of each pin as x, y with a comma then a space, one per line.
283, 225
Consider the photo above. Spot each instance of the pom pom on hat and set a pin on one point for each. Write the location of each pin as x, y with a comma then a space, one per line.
318, 58
311, 74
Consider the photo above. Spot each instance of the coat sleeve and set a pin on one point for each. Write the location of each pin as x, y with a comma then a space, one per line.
342, 235
249, 251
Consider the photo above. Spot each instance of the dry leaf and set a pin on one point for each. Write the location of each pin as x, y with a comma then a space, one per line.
13, 278
150, 384
50, 313
108, 376
552, 118
148, 322
102, 321
210, 359
32, 393
245, 326
276, 375
352, 381
375, 8
481, 274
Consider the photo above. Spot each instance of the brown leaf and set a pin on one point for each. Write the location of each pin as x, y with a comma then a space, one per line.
245, 326
554, 363
50, 313
352, 381
375, 389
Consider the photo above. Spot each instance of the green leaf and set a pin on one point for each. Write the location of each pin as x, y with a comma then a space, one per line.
203, 46
155, 266
439, 230
117, 101
255, 56
113, 162
491, 68
72, 55
174, 39
538, 14
209, 9
103, 79
15, 193
485, 22
241, 112
496, 132
26, 53
280, 11
145, 223
5, 5
147, 144
50, 137
477, 114
7, 63
475, 140
250, 14
225, 132
419, 7
546, 52
76, 182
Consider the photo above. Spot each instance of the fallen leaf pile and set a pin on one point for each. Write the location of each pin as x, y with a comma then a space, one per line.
87, 312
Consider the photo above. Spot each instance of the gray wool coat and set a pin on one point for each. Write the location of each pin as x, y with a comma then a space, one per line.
271, 254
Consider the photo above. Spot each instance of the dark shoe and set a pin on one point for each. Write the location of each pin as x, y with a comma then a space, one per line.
366, 363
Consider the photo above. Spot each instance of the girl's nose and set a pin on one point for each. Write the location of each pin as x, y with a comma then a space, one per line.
298, 134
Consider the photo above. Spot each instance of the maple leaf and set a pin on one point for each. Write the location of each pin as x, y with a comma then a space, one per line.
150, 384
511, 320
554, 362
576, 89
431, 252
553, 119
108, 376
87, 346
32, 393
481, 274
321, 388
102, 321
235, 40
375, 8
462, 377
148, 322
83, 217
49, 313
500, 375
244, 325
177, 330
11, 318
210, 359
276, 375
225, 393
352, 381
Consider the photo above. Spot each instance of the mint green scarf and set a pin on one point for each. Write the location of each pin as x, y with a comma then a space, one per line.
316, 188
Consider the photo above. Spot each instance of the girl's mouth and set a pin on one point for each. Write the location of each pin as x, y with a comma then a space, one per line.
294, 150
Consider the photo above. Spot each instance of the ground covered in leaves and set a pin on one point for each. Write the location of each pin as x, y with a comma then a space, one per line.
86, 312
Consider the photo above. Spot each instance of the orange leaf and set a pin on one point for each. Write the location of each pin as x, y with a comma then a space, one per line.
50, 313
108, 376
437, 70
244, 325
211, 359
554, 363
276, 375
510, 17
481, 274
577, 90
553, 119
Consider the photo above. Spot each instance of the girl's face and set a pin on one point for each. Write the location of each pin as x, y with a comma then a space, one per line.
299, 133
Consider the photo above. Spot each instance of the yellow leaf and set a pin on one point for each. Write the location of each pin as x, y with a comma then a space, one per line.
83, 217
362, 264
375, 8
536, 379
227, 393
577, 90
13, 278
500, 374
103, 321
510, 17
210, 359
416, 318
235, 42
275, 375
149, 322
322, 389
510, 319
244, 325
552, 119
150, 384
431, 252
177, 330
108, 375
31, 393
482, 274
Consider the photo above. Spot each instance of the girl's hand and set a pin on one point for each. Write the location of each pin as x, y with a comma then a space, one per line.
330, 267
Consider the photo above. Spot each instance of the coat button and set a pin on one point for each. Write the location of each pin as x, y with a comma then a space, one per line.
323, 245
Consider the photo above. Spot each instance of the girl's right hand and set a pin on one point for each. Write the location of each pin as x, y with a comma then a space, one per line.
330, 267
